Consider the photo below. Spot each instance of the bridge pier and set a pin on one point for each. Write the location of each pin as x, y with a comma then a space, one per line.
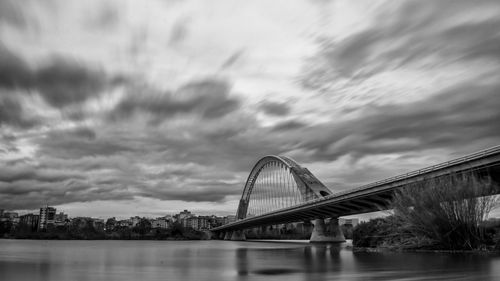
238, 235
227, 235
320, 234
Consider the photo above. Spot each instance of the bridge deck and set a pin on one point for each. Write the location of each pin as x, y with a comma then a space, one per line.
375, 196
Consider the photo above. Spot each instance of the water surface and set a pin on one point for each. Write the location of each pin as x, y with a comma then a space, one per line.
226, 260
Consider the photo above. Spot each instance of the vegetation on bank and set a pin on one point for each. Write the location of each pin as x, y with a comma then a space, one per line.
448, 213
84, 229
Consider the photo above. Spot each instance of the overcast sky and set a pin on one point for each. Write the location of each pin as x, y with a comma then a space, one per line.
121, 108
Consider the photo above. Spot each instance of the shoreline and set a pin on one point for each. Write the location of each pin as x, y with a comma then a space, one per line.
398, 250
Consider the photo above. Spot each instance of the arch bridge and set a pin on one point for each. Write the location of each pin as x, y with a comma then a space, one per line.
278, 190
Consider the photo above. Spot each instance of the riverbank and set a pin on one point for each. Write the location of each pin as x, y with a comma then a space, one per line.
399, 250
391, 234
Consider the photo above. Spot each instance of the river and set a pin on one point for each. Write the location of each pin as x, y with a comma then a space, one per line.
33, 260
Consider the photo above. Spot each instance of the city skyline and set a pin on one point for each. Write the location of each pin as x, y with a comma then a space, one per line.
124, 108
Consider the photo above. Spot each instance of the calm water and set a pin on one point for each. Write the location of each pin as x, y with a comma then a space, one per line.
224, 260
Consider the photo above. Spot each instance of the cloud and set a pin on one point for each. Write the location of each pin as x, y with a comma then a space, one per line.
232, 59
14, 72
275, 108
22, 171
11, 13
31, 194
409, 35
62, 82
207, 99
106, 16
208, 191
77, 143
179, 31
12, 113
289, 125
457, 117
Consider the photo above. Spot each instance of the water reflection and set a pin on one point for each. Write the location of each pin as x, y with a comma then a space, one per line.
302, 259
225, 260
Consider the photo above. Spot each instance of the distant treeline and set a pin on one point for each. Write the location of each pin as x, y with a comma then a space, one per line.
84, 229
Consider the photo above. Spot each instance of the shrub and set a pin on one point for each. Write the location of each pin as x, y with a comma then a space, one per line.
447, 211
372, 233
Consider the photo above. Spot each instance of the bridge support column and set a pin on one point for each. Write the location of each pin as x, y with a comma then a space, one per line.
228, 235
321, 234
238, 235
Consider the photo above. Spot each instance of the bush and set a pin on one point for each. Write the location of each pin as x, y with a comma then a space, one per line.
446, 211
372, 233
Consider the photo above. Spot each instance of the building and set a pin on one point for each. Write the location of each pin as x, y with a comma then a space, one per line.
229, 219
216, 221
47, 217
191, 222
184, 215
204, 222
197, 223
10, 215
160, 223
30, 220
61, 217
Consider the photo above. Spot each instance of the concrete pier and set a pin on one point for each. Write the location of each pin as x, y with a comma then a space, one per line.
321, 234
238, 235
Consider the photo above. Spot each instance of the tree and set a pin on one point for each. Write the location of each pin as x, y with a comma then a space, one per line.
143, 227
110, 224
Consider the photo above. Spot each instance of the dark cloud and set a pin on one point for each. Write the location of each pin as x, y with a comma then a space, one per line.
289, 125
455, 118
12, 113
22, 171
14, 72
208, 99
411, 33
63, 82
60, 81
275, 108
77, 143
31, 194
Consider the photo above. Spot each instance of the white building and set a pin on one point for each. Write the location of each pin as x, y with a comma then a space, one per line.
160, 223
47, 216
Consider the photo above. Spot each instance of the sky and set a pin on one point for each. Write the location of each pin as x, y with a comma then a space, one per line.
123, 108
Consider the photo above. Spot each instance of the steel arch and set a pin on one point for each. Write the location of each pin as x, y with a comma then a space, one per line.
309, 186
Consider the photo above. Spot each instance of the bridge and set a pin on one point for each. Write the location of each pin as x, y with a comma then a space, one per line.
279, 190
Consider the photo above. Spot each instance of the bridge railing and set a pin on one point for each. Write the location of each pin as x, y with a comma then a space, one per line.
473, 156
